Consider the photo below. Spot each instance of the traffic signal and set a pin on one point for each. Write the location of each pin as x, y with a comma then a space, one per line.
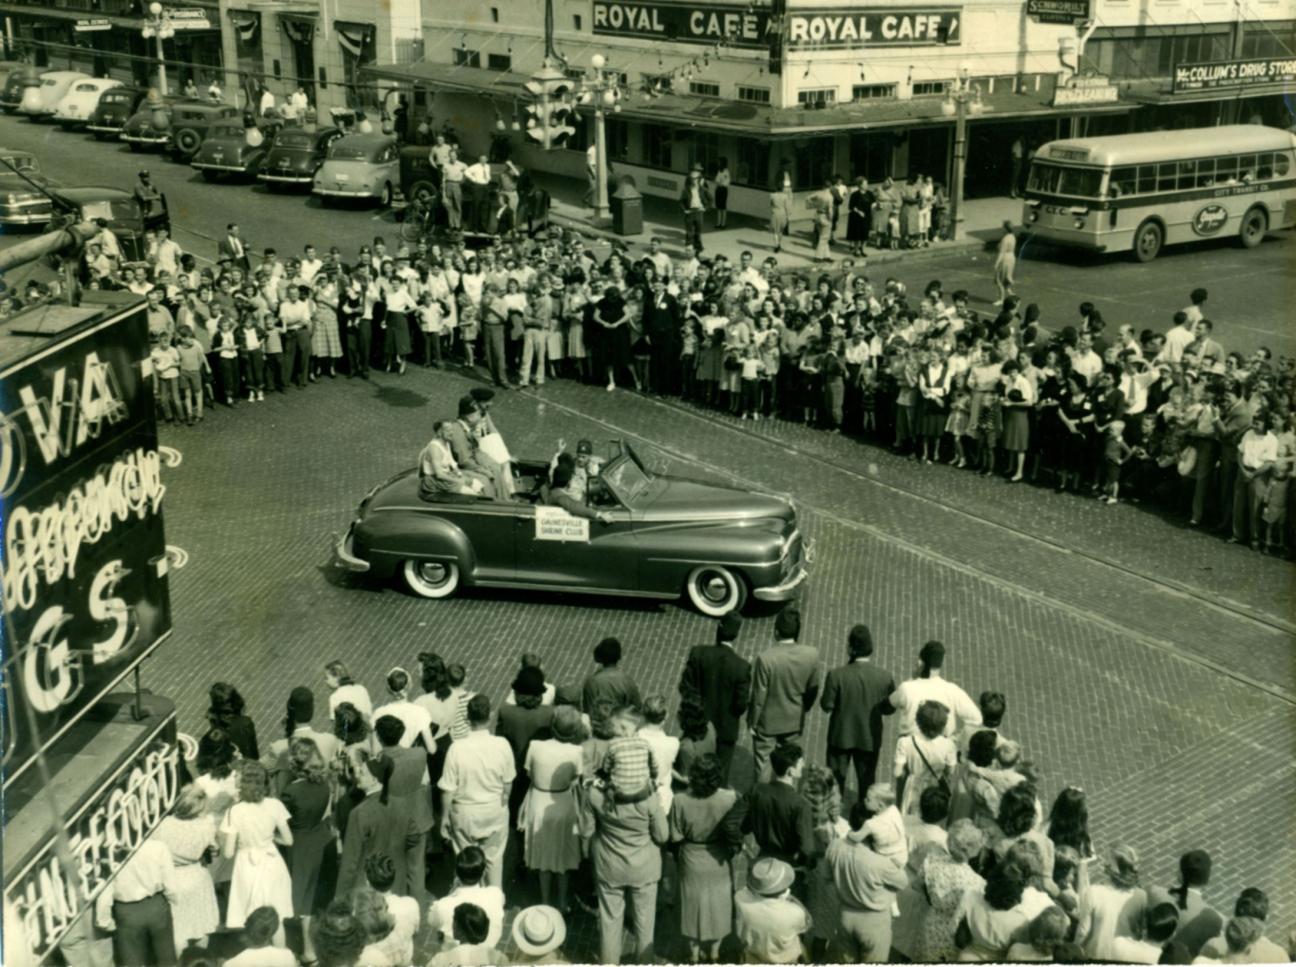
550, 118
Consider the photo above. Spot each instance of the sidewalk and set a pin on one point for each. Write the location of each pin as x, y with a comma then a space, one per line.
661, 217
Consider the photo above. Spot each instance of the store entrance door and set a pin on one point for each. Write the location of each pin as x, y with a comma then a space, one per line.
990, 167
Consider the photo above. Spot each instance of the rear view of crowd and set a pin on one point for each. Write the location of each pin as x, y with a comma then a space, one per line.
560, 804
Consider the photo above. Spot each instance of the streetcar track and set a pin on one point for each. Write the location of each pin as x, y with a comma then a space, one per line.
1163, 645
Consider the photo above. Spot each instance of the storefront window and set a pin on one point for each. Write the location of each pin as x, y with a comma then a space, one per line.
658, 146
752, 166
704, 150
814, 163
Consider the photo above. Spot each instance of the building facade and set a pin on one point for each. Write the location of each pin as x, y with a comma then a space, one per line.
817, 88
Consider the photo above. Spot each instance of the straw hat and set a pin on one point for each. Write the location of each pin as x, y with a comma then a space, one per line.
539, 930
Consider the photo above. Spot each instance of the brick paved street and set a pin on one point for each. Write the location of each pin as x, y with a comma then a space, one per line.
1169, 703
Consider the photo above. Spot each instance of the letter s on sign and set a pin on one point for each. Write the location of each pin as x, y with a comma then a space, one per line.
104, 607
49, 671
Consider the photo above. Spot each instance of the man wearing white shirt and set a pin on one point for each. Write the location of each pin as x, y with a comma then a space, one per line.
1084, 360
475, 784
310, 265
660, 260
929, 686
748, 274
477, 179
140, 912
297, 102
1179, 338
417, 722
452, 179
167, 258
1257, 455
470, 867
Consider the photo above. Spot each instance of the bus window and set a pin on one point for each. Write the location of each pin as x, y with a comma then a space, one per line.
1166, 177
1187, 174
1246, 168
1044, 178
1084, 182
1226, 171
1264, 167
1282, 164
1124, 181
1205, 173
1146, 179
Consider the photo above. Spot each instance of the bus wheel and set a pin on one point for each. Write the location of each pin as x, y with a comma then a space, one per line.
1254, 226
1147, 241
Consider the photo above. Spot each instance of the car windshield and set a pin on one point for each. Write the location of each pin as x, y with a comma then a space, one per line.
1059, 180
351, 152
23, 162
626, 479
118, 212
294, 139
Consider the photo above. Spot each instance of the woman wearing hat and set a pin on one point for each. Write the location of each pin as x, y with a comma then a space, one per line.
705, 853
547, 818
538, 935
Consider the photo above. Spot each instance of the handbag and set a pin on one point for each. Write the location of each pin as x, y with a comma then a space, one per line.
1187, 461
940, 777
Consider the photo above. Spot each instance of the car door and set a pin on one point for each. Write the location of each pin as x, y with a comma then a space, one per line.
488, 526
608, 561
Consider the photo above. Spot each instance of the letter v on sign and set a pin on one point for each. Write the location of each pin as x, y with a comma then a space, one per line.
46, 419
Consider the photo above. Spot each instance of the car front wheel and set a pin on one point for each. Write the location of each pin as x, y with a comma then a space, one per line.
432, 579
716, 590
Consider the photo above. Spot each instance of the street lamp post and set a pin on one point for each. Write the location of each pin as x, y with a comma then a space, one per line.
600, 89
962, 98
158, 25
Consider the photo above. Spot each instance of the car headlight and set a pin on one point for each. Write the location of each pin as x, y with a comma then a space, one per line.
1033, 217
1079, 223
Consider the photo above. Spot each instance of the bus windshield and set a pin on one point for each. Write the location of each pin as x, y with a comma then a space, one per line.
1059, 180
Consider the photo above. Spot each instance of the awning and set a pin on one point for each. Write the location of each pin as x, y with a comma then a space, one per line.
354, 37
246, 22
1159, 92
300, 30
33, 16
745, 118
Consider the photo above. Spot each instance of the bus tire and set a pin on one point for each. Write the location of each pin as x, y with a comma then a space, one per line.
1148, 240
1255, 224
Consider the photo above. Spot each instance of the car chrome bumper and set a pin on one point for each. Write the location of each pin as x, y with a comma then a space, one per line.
288, 179
345, 558
785, 589
67, 119
338, 193
208, 166
145, 139
104, 128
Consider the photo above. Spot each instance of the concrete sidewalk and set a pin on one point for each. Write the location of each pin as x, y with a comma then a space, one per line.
662, 219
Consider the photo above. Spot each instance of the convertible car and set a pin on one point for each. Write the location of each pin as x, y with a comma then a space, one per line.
667, 537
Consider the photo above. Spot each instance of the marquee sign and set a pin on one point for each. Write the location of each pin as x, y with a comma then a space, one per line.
880, 27
1212, 75
102, 835
84, 563
735, 25
1058, 11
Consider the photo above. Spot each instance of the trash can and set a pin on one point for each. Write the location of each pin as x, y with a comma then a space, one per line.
627, 209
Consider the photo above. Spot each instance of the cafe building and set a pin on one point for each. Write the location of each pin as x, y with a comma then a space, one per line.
809, 87
91, 759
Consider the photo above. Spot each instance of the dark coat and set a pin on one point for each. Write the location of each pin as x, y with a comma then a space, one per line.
521, 726
855, 696
611, 684
376, 828
719, 679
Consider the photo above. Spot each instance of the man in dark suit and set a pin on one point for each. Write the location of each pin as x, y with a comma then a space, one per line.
718, 679
661, 321
785, 684
233, 247
409, 783
608, 682
855, 698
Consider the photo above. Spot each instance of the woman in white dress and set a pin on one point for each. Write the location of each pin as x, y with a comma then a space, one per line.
218, 778
925, 757
253, 826
547, 818
189, 833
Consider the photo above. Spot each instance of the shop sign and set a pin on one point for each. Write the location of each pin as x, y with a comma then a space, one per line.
191, 18
1058, 11
84, 559
874, 28
1209, 220
102, 836
1086, 89
1233, 73
681, 23
97, 23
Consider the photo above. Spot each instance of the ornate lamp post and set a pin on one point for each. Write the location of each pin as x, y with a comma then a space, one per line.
158, 25
959, 100
601, 89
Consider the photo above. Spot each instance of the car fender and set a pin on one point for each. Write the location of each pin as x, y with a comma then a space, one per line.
389, 537
670, 550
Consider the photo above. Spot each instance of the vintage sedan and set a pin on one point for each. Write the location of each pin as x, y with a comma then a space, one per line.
39, 103
667, 537
79, 103
359, 166
184, 125
295, 156
121, 210
21, 202
114, 109
226, 151
16, 82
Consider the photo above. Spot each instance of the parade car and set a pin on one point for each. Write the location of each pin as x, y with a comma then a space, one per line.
226, 150
667, 537
359, 166
114, 109
296, 155
79, 103
21, 203
40, 102
121, 210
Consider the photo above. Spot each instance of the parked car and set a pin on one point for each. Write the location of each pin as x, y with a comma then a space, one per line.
114, 109
296, 155
79, 103
20, 202
16, 82
359, 166
123, 213
187, 123
667, 536
39, 103
225, 150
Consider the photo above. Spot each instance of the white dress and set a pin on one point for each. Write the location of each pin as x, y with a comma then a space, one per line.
221, 794
261, 876
548, 815
941, 757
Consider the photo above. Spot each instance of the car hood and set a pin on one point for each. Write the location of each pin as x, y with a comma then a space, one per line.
680, 498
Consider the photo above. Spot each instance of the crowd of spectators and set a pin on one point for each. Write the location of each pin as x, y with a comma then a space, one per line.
319, 846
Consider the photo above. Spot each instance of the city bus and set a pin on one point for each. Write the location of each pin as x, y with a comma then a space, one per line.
1139, 192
